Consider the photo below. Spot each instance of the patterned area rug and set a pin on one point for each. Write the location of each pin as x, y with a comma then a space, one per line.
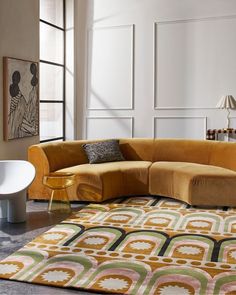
138, 245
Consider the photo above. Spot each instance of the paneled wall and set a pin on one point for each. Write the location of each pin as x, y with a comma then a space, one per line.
19, 38
155, 68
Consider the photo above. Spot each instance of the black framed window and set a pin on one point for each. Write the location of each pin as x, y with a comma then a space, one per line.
52, 70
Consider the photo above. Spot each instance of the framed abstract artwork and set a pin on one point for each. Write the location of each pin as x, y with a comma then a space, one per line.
20, 98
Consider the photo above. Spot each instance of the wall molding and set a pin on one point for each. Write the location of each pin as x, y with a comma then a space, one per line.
155, 57
132, 28
197, 19
110, 117
230, 120
204, 118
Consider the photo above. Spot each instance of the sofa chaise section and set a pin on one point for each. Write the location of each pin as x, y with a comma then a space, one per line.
99, 182
199, 172
196, 184
94, 182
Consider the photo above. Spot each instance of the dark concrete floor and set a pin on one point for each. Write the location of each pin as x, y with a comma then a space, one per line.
14, 236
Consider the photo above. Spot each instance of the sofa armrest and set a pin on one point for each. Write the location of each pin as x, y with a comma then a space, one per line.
38, 158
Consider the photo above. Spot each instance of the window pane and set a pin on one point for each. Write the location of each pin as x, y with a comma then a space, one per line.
51, 82
51, 117
51, 44
52, 11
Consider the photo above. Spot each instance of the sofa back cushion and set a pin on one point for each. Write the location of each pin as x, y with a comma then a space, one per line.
137, 149
64, 154
70, 153
224, 155
182, 150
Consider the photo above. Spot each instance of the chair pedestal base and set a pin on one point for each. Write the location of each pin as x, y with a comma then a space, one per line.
14, 208
3, 208
17, 208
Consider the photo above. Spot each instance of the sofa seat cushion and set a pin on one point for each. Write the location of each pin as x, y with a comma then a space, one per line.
196, 184
99, 182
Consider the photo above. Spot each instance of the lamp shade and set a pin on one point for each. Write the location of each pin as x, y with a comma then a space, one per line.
226, 102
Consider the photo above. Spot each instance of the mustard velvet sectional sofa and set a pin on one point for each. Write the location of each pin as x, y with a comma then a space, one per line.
195, 171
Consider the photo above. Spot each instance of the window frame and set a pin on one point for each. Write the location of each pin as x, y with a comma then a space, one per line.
63, 101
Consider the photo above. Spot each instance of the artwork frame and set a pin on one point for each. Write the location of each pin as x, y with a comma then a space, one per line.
20, 98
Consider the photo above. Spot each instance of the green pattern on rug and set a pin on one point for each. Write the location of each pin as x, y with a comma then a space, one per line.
136, 245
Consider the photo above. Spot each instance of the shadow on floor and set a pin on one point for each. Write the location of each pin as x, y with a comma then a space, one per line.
35, 220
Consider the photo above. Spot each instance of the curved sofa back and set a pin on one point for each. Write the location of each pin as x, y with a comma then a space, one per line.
60, 154
70, 153
137, 149
216, 153
223, 154
181, 150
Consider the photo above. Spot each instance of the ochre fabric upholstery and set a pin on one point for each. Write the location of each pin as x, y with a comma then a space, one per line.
51, 157
40, 161
137, 149
64, 154
223, 154
196, 184
196, 171
99, 182
177, 150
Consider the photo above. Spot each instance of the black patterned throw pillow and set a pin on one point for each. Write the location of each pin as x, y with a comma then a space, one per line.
105, 151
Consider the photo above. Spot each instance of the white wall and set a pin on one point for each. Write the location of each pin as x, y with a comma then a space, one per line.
80, 16
70, 72
159, 65
19, 37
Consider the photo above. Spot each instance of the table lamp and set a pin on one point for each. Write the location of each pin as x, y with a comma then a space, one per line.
227, 102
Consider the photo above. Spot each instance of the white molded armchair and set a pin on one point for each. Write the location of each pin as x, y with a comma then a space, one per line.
15, 177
